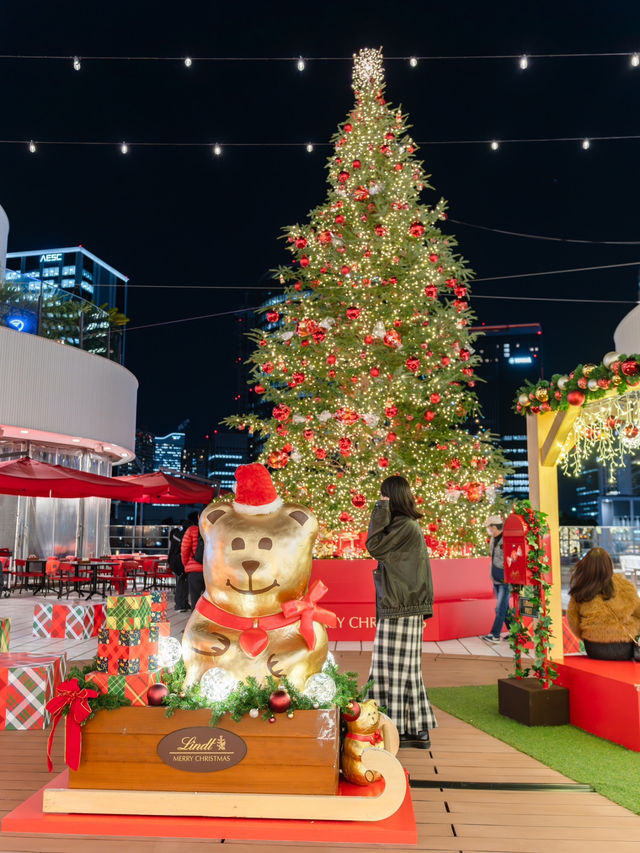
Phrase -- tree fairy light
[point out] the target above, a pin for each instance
(188, 61)
(309, 147)
(586, 144)
(77, 64)
(217, 150)
(124, 148)
(365, 366)
(524, 61)
(301, 64)
(32, 147)
(494, 145)
(413, 61)
(635, 60)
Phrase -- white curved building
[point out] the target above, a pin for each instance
(4, 235)
(62, 405)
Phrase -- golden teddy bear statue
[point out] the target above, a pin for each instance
(257, 616)
(366, 728)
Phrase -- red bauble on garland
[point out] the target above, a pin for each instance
(574, 398)
(351, 713)
(279, 701)
(156, 694)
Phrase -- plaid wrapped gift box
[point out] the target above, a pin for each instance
(5, 633)
(133, 687)
(158, 604)
(128, 612)
(70, 621)
(27, 683)
(122, 652)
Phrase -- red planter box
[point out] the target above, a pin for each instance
(464, 605)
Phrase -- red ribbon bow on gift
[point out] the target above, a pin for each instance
(70, 696)
(308, 612)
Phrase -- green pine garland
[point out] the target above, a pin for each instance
(519, 634)
(250, 694)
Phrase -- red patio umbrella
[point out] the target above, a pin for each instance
(161, 488)
(30, 477)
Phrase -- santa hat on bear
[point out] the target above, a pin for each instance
(255, 492)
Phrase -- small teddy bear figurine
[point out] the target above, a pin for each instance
(363, 731)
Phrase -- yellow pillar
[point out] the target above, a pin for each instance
(545, 435)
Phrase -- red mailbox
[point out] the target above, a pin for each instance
(516, 549)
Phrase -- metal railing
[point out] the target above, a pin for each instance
(133, 538)
(28, 304)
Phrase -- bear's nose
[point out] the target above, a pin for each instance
(250, 566)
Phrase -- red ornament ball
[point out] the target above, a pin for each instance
(353, 312)
(343, 177)
(273, 316)
(279, 701)
(304, 261)
(416, 229)
(629, 367)
(412, 363)
(383, 462)
(156, 694)
(351, 712)
(431, 291)
(345, 517)
(375, 371)
(301, 242)
(574, 398)
(356, 164)
(358, 501)
(331, 488)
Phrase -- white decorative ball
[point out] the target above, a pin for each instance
(254, 712)
(610, 357)
(330, 661)
(320, 688)
(169, 651)
(217, 684)
(562, 382)
(523, 399)
(592, 384)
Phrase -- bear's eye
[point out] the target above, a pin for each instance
(237, 544)
(265, 543)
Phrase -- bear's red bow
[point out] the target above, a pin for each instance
(308, 612)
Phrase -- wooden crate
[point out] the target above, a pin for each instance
(293, 755)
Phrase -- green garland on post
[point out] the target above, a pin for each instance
(538, 566)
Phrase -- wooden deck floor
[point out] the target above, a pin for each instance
(449, 819)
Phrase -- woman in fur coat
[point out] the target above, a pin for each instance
(604, 610)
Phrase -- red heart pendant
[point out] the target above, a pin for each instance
(253, 641)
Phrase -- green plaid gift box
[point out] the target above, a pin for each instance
(128, 612)
(5, 633)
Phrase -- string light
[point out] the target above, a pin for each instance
(309, 147)
(217, 150)
(413, 61)
(187, 61)
(301, 64)
(77, 65)
(495, 145)
(586, 144)
(124, 148)
(635, 60)
(524, 61)
(33, 147)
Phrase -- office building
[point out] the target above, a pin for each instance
(168, 452)
(227, 451)
(195, 461)
(75, 270)
(510, 355)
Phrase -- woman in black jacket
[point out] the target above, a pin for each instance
(404, 598)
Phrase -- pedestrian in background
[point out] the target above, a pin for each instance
(404, 598)
(175, 564)
(191, 552)
(495, 525)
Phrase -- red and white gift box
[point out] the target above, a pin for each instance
(68, 620)
(27, 683)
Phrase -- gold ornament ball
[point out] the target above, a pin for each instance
(542, 395)
(616, 380)
(587, 369)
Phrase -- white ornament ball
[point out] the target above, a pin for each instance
(592, 385)
(254, 712)
(320, 688)
(217, 684)
(523, 399)
(562, 382)
(330, 661)
(610, 357)
(169, 651)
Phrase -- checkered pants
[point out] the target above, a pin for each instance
(396, 669)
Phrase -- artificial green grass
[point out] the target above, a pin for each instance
(610, 769)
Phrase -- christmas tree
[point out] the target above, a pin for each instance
(367, 364)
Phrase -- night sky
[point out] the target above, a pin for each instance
(181, 216)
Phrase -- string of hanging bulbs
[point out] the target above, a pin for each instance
(523, 60)
(217, 148)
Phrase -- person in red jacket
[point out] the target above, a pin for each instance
(192, 567)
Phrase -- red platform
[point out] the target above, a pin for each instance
(604, 697)
(464, 605)
(399, 829)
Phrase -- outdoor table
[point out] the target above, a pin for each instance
(39, 564)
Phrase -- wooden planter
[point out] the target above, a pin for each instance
(298, 755)
(525, 700)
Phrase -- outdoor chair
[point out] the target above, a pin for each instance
(164, 576)
(5, 568)
(25, 578)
